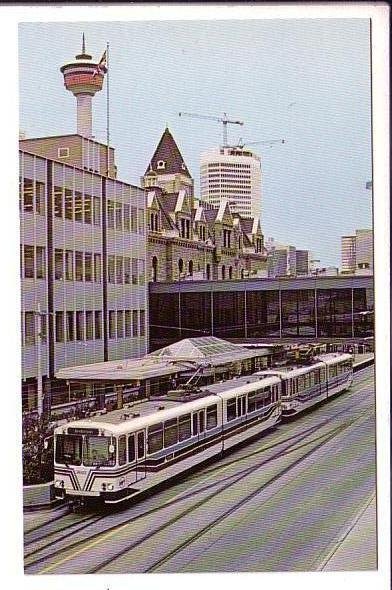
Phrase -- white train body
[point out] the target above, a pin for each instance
(303, 387)
(123, 453)
(126, 452)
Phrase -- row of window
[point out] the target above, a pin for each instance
(83, 208)
(169, 433)
(126, 270)
(83, 325)
(256, 400)
(82, 266)
(124, 217)
(76, 206)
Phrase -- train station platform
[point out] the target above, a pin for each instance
(356, 549)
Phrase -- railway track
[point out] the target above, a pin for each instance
(284, 447)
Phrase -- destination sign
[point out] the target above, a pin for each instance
(92, 431)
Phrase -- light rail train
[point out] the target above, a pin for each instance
(120, 454)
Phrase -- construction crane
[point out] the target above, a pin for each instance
(224, 120)
(241, 143)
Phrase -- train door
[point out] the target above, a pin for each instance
(241, 406)
(198, 424)
(136, 453)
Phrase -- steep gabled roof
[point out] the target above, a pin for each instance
(167, 151)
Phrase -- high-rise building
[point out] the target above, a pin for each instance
(233, 174)
(357, 252)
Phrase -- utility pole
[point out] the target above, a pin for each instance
(39, 372)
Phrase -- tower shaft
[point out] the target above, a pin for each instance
(84, 115)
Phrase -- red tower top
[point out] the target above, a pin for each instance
(84, 78)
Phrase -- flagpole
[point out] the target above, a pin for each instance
(107, 109)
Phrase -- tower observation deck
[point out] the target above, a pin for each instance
(84, 77)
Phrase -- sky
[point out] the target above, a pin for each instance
(304, 80)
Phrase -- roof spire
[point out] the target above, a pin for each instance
(83, 55)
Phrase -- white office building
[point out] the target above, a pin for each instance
(233, 174)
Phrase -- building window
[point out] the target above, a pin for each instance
(79, 266)
(89, 325)
(142, 322)
(110, 214)
(134, 271)
(161, 165)
(119, 216)
(208, 272)
(133, 219)
(68, 204)
(155, 269)
(97, 268)
(127, 270)
(79, 325)
(63, 152)
(40, 262)
(180, 266)
(127, 221)
(28, 262)
(28, 196)
(87, 205)
(111, 269)
(96, 211)
(134, 322)
(128, 323)
(120, 324)
(78, 206)
(69, 270)
(58, 201)
(223, 272)
(230, 272)
(58, 265)
(98, 325)
(29, 327)
(141, 273)
(119, 270)
(88, 267)
(70, 326)
(112, 324)
(141, 221)
(190, 267)
(59, 326)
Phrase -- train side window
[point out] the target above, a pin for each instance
(201, 421)
(131, 448)
(252, 401)
(140, 445)
(122, 450)
(195, 429)
(170, 436)
(184, 427)
(212, 417)
(231, 408)
(155, 438)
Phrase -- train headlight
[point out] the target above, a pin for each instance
(110, 487)
(59, 483)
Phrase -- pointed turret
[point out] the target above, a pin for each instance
(167, 167)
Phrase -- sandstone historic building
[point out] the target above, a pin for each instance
(189, 239)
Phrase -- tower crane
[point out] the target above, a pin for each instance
(241, 143)
(224, 120)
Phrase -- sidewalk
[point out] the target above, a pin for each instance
(357, 550)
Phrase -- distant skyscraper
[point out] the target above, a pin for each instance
(357, 252)
(233, 174)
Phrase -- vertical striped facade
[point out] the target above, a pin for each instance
(83, 263)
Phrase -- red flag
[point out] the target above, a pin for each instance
(102, 66)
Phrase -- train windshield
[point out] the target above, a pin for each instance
(69, 449)
(99, 450)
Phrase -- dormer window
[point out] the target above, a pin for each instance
(161, 164)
